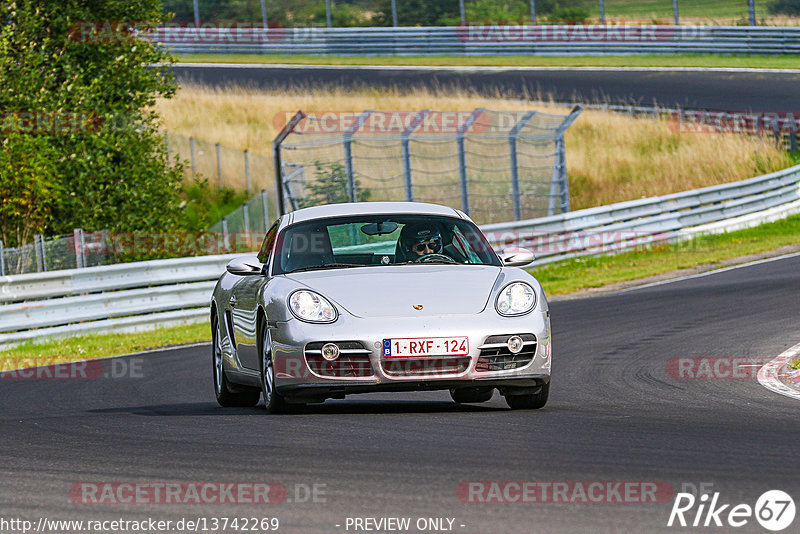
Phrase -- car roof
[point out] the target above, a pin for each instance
(371, 208)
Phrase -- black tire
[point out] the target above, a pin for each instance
(273, 401)
(470, 395)
(243, 396)
(532, 401)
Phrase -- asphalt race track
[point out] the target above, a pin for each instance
(722, 90)
(614, 415)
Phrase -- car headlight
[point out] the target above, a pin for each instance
(311, 307)
(516, 298)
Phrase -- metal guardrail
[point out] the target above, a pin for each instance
(124, 297)
(162, 292)
(471, 40)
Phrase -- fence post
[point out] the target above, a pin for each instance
(264, 13)
(2, 260)
(462, 12)
(560, 166)
(246, 217)
(516, 195)
(196, 14)
(247, 170)
(675, 12)
(348, 153)
(462, 158)
(602, 12)
(76, 239)
(225, 234)
(264, 206)
(191, 156)
(793, 141)
(166, 144)
(533, 12)
(328, 12)
(38, 253)
(219, 166)
(407, 153)
(751, 8)
(277, 165)
(563, 184)
(394, 13)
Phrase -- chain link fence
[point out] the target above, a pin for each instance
(495, 166)
(81, 249)
(221, 165)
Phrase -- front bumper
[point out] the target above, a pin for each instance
(296, 379)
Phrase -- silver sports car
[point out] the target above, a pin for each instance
(379, 296)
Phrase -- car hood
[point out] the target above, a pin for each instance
(393, 291)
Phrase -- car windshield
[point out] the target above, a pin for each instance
(380, 240)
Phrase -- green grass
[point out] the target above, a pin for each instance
(775, 62)
(99, 346)
(597, 271)
(557, 279)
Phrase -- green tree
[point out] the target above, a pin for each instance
(111, 173)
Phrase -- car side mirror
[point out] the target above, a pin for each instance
(245, 266)
(517, 257)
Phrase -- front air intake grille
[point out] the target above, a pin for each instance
(404, 367)
(495, 355)
(353, 360)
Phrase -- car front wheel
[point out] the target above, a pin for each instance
(222, 388)
(273, 402)
(532, 401)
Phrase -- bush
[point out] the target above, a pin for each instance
(784, 7)
(110, 172)
(330, 187)
(569, 15)
(27, 188)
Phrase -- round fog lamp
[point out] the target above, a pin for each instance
(514, 344)
(330, 351)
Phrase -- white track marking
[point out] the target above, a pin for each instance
(768, 375)
(708, 273)
(458, 68)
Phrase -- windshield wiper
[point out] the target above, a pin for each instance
(323, 267)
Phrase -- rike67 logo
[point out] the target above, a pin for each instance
(774, 510)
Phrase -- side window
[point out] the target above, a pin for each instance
(268, 244)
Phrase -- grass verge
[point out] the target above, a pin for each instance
(557, 279)
(688, 60)
(577, 274)
(99, 346)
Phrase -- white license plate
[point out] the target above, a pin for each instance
(421, 347)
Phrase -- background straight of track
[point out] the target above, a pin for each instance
(614, 414)
(690, 89)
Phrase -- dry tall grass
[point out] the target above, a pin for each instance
(610, 157)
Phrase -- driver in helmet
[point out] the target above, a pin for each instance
(418, 240)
